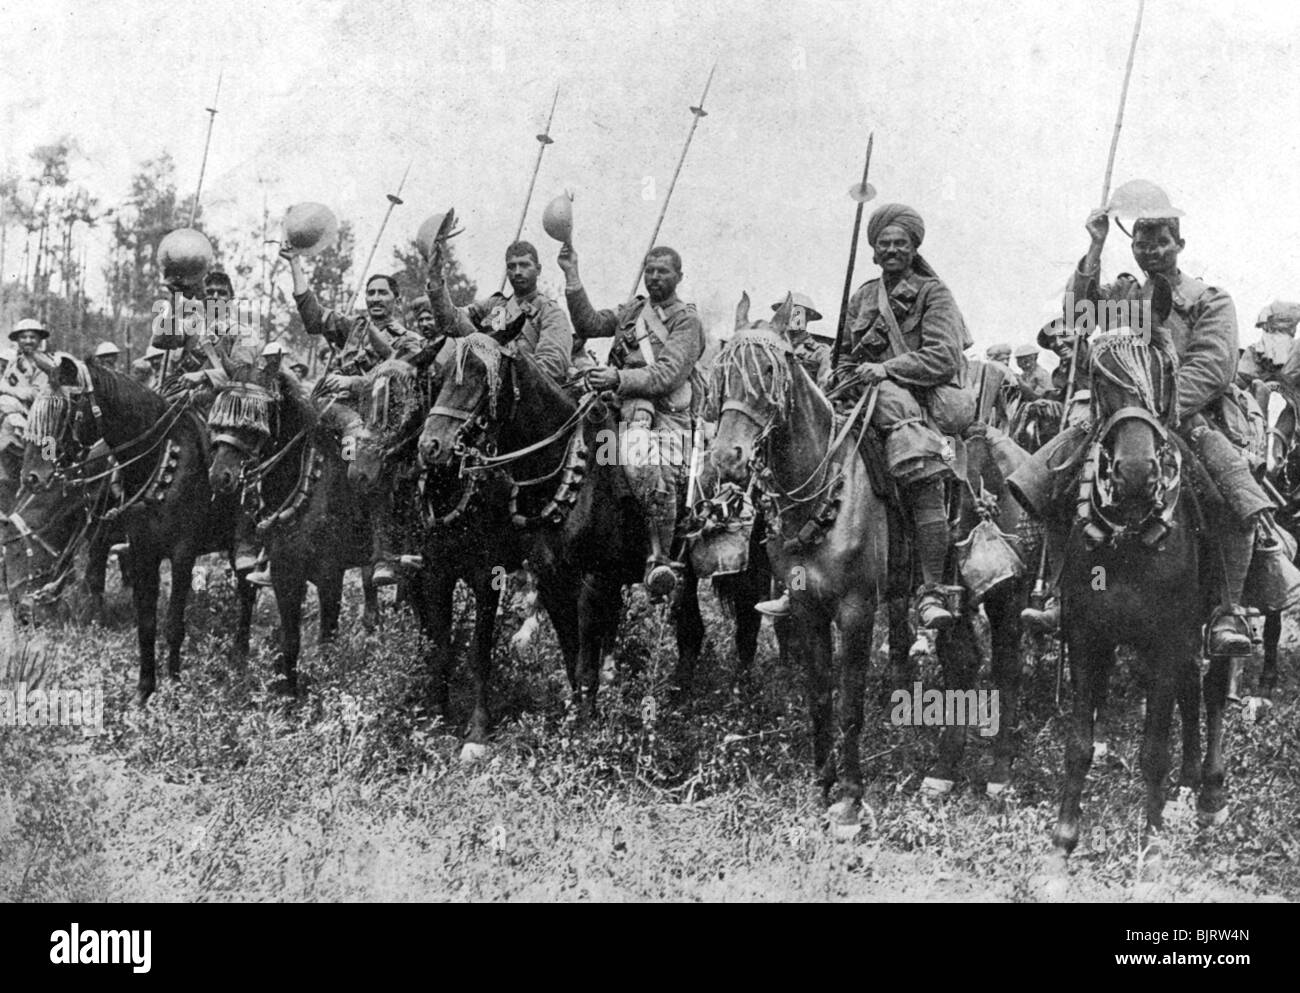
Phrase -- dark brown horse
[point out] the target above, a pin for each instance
(462, 523)
(1134, 576)
(586, 532)
(166, 504)
(831, 534)
(270, 446)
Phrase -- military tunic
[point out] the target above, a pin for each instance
(23, 380)
(813, 355)
(352, 339)
(1035, 384)
(536, 323)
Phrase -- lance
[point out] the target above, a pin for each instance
(699, 112)
(543, 140)
(861, 193)
(393, 200)
(1074, 358)
(212, 117)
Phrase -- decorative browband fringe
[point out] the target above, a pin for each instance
(47, 417)
(487, 351)
(739, 371)
(242, 406)
(392, 395)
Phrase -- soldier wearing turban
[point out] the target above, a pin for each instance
(906, 338)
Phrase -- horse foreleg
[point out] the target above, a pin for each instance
(561, 604)
(1166, 669)
(813, 631)
(1212, 803)
(486, 598)
(96, 573)
(857, 622)
(1003, 610)
(144, 597)
(329, 595)
(182, 576)
(1189, 710)
(960, 659)
(1272, 635)
(246, 593)
(1089, 665)
(290, 587)
(598, 611)
(370, 615)
(690, 635)
(439, 594)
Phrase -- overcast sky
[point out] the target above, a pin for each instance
(991, 117)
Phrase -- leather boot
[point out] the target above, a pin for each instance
(1229, 634)
(778, 606)
(661, 572)
(932, 538)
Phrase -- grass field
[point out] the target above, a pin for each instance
(218, 791)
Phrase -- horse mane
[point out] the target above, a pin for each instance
(119, 390)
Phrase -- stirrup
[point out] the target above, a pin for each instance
(261, 576)
(776, 607)
(1228, 634)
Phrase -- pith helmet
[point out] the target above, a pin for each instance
(1140, 199)
(184, 254)
(804, 301)
(311, 228)
(105, 349)
(28, 324)
(273, 348)
(557, 218)
(1027, 352)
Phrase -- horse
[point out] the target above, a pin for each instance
(586, 532)
(269, 443)
(463, 523)
(831, 531)
(166, 504)
(1137, 530)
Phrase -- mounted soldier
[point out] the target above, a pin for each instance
(23, 378)
(531, 319)
(106, 355)
(359, 344)
(1033, 381)
(1201, 330)
(907, 338)
(813, 350)
(1272, 364)
(652, 371)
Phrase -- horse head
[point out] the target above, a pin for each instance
(63, 422)
(750, 389)
(241, 422)
(467, 402)
(392, 411)
(1134, 389)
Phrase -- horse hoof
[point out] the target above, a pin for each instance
(473, 754)
(1178, 810)
(1212, 819)
(996, 790)
(844, 822)
(932, 787)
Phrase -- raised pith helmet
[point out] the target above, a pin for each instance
(184, 254)
(311, 228)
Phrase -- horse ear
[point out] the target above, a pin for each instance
(781, 323)
(67, 367)
(742, 312)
